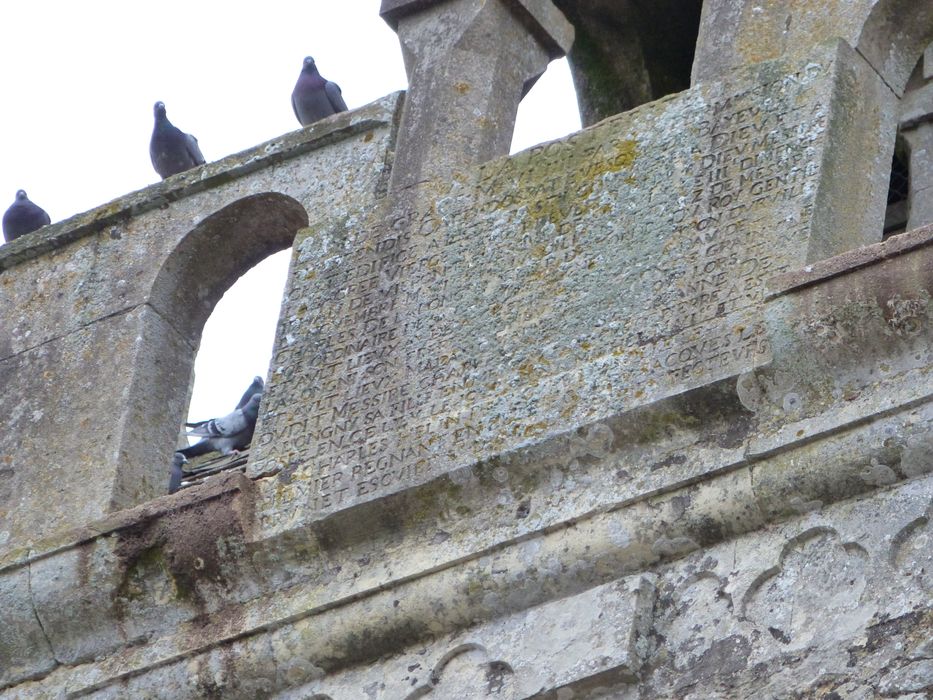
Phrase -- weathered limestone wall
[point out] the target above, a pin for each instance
(596, 562)
(891, 34)
(645, 412)
(652, 237)
(102, 314)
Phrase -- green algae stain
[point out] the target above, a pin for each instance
(581, 165)
(625, 156)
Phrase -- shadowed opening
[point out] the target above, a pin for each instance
(910, 204)
(630, 52)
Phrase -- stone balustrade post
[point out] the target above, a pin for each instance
(469, 64)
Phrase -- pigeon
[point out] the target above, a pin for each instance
(174, 480)
(171, 149)
(314, 97)
(228, 434)
(23, 217)
(255, 388)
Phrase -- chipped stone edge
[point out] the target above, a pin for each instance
(211, 490)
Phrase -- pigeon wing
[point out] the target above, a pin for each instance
(332, 90)
(191, 143)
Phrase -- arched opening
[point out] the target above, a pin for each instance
(894, 36)
(236, 346)
(896, 40)
(629, 52)
(552, 94)
(193, 278)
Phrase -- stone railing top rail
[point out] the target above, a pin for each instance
(281, 148)
(849, 261)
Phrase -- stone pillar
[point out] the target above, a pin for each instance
(469, 64)
(737, 33)
(916, 127)
(920, 139)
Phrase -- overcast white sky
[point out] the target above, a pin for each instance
(77, 85)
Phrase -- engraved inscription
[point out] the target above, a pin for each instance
(583, 277)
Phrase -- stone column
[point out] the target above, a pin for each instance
(920, 139)
(469, 64)
(916, 126)
(736, 33)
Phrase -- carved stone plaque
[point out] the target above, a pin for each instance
(573, 281)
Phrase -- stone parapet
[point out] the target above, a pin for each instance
(548, 290)
(642, 412)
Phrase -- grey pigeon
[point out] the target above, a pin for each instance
(23, 217)
(171, 149)
(174, 480)
(255, 388)
(228, 434)
(314, 97)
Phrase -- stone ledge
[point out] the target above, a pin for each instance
(222, 485)
(850, 261)
(713, 612)
(590, 552)
(471, 562)
(296, 143)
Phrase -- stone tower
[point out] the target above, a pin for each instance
(642, 412)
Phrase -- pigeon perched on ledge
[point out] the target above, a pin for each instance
(227, 435)
(23, 217)
(315, 98)
(172, 150)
